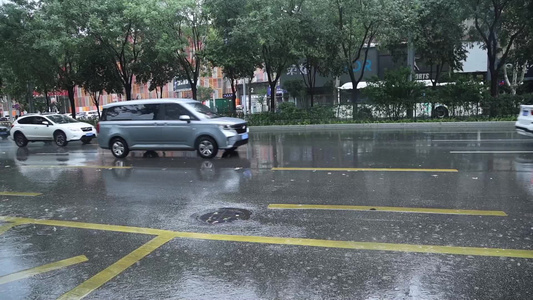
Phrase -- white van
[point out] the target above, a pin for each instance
(524, 124)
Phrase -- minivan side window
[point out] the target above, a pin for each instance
(132, 112)
(173, 111)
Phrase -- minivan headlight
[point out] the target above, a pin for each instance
(225, 127)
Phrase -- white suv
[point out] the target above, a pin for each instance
(58, 128)
(524, 125)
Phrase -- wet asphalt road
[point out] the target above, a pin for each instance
(276, 253)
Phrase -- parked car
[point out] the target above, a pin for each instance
(4, 132)
(524, 124)
(168, 124)
(55, 127)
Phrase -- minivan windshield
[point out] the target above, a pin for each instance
(61, 119)
(204, 110)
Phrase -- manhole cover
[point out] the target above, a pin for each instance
(224, 215)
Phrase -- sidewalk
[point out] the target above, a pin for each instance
(504, 125)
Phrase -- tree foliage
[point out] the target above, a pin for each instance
(438, 35)
(498, 24)
(395, 94)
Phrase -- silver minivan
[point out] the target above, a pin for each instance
(168, 124)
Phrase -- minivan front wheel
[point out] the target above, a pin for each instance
(119, 148)
(206, 147)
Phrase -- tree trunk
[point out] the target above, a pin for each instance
(273, 96)
(194, 90)
(70, 92)
(354, 96)
(234, 94)
(494, 87)
(127, 90)
(96, 101)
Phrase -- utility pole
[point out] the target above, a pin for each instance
(410, 65)
(244, 104)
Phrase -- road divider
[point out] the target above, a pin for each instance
(368, 170)
(392, 209)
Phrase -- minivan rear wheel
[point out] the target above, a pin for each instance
(119, 148)
(206, 147)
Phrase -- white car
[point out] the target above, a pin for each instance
(524, 125)
(58, 128)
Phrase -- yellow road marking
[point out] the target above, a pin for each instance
(91, 226)
(110, 272)
(77, 166)
(21, 194)
(392, 209)
(43, 269)
(475, 251)
(367, 170)
(287, 241)
(6, 227)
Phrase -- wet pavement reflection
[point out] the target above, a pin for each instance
(493, 170)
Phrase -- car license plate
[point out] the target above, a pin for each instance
(90, 134)
(525, 112)
(244, 136)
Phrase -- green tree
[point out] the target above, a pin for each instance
(295, 88)
(498, 24)
(158, 69)
(183, 27)
(316, 44)
(395, 94)
(227, 48)
(358, 24)
(274, 26)
(97, 73)
(438, 35)
(59, 32)
(204, 93)
(17, 23)
(120, 27)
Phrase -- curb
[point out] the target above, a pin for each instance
(433, 125)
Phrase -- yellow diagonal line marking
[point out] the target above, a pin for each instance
(392, 209)
(6, 227)
(288, 241)
(110, 272)
(43, 269)
(21, 194)
(92, 226)
(367, 170)
(76, 166)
